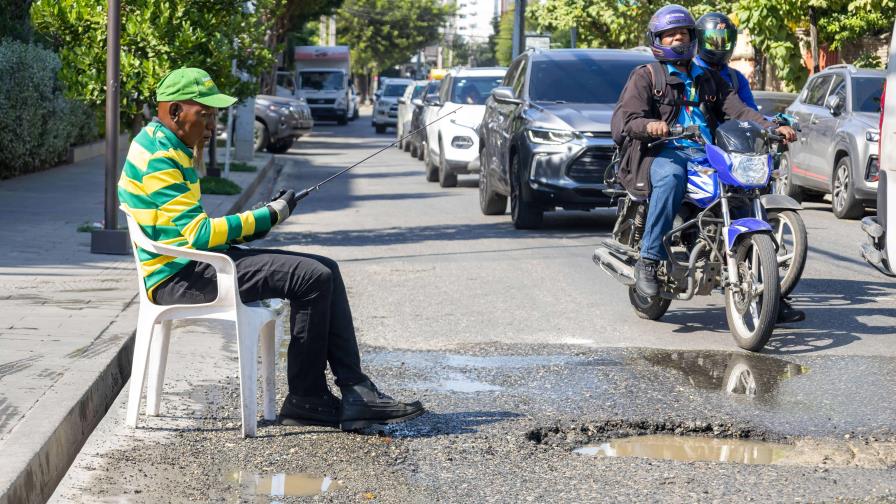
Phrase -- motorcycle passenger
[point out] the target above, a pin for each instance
(656, 96)
(716, 39)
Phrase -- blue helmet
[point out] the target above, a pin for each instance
(667, 18)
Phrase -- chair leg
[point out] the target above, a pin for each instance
(158, 358)
(138, 368)
(247, 342)
(268, 363)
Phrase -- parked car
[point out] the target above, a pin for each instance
(878, 251)
(430, 93)
(354, 103)
(546, 136)
(771, 102)
(839, 111)
(385, 110)
(405, 110)
(430, 110)
(453, 144)
(279, 122)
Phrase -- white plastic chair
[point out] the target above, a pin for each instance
(262, 319)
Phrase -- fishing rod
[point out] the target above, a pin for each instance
(305, 192)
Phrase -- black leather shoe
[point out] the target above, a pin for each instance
(310, 410)
(788, 314)
(645, 278)
(363, 405)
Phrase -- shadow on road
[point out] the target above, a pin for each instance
(448, 424)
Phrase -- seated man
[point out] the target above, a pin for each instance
(161, 189)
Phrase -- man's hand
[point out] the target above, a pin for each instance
(282, 205)
(658, 129)
(786, 132)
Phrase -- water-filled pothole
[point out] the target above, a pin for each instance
(283, 485)
(690, 449)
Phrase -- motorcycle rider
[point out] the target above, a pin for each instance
(690, 95)
(716, 39)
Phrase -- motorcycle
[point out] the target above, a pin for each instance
(720, 237)
(783, 214)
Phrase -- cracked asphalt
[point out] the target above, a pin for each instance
(522, 350)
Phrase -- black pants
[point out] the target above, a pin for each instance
(320, 317)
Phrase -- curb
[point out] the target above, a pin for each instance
(53, 445)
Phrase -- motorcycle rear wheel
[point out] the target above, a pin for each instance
(648, 308)
(752, 310)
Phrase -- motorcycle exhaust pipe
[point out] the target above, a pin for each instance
(622, 272)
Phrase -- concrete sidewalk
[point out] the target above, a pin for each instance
(67, 318)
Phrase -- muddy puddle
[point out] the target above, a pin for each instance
(804, 452)
(283, 484)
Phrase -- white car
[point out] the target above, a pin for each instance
(453, 144)
(879, 251)
(406, 109)
(385, 110)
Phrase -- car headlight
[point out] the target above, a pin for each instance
(872, 135)
(283, 109)
(461, 142)
(550, 136)
(750, 170)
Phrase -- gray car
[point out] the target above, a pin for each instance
(839, 111)
(279, 121)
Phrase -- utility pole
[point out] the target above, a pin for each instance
(322, 32)
(110, 239)
(813, 39)
(519, 28)
(573, 36)
(332, 39)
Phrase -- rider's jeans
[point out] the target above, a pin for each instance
(668, 178)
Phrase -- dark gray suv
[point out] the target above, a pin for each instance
(836, 154)
(545, 138)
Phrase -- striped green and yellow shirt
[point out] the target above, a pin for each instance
(160, 188)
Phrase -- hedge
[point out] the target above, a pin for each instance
(37, 122)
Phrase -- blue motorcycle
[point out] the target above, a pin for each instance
(720, 239)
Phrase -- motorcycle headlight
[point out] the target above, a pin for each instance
(549, 136)
(750, 170)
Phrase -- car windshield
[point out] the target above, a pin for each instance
(418, 91)
(582, 79)
(771, 106)
(394, 89)
(866, 93)
(473, 90)
(321, 81)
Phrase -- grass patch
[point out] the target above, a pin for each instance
(216, 185)
(240, 167)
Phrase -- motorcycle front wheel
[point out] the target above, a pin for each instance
(650, 308)
(752, 306)
(793, 245)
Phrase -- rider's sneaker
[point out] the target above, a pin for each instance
(645, 277)
(788, 314)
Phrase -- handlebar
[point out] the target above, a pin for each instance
(678, 132)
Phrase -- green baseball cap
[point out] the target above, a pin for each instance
(192, 84)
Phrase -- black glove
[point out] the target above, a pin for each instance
(282, 205)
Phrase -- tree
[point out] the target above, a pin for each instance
(156, 36)
(385, 33)
(504, 39)
(14, 20)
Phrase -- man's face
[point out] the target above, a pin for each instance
(675, 36)
(196, 122)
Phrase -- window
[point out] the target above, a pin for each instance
(394, 89)
(838, 88)
(511, 73)
(473, 90)
(520, 78)
(817, 90)
(597, 80)
(866, 93)
(322, 81)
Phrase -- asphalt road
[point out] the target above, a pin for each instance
(523, 351)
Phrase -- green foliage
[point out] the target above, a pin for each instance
(869, 60)
(156, 36)
(504, 42)
(37, 123)
(242, 167)
(216, 185)
(385, 33)
(771, 27)
(14, 20)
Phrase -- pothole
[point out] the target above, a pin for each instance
(283, 484)
(691, 449)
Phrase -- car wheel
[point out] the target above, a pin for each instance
(447, 178)
(356, 114)
(380, 129)
(260, 135)
(843, 196)
(784, 182)
(413, 148)
(490, 202)
(524, 214)
(407, 146)
(421, 150)
(281, 146)
(432, 171)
